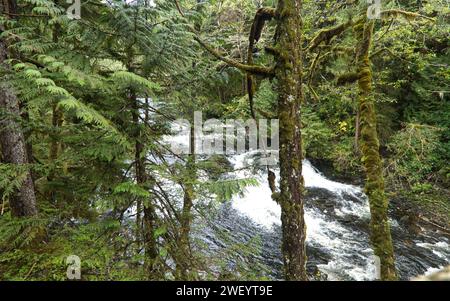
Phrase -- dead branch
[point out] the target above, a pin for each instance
(180, 10)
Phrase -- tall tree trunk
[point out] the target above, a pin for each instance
(357, 130)
(54, 149)
(369, 144)
(288, 72)
(149, 217)
(56, 123)
(288, 75)
(56, 112)
(186, 216)
(14, 149)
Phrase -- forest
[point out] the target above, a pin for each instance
(263, 140)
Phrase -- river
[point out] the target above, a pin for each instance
(337, 218)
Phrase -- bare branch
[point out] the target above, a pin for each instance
(180, 10)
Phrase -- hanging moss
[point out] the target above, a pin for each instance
(262, 15)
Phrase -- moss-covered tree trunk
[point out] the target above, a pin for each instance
(288, 74)
(12, 139)
(369, 145)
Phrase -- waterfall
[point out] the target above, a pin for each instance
(337, 219)
(338, 229)
(322, 232)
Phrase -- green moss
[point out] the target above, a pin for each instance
(369, 145)
(288, 73)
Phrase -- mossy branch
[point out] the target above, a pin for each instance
(410, 16)
(262, 15)
(312, 69)
(271, 50)
(347, 78)
(265, 114)
(325, 35)
(252, 69)
(313, 93)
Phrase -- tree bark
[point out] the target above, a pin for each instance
(149, 217)
(357, 130)
(288, 75)
(288, 72)
(14, 149)
(183, 264)
(369, 144)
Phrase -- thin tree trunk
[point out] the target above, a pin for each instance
(288, 72)
(56, 123)
(149, 217)
(27, 134)
(12, 140)
(189, 195)
(56, 112)
(54, 149)
(369, 144)
(357, 129)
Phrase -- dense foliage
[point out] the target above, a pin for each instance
(97, 96)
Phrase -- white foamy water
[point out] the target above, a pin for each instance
(322, 232)
(351, 256)
(257, 202)
(441, 249)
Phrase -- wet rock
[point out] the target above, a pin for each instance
(317, 275)
(327, 169)
(410, 220)
(349, 219)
